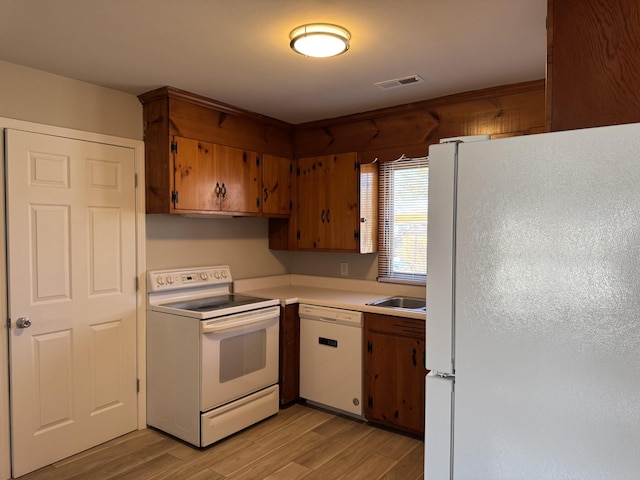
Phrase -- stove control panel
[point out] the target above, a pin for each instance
(180, 278)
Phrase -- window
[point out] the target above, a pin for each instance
(404, 186)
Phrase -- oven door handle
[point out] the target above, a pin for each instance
(241, 320)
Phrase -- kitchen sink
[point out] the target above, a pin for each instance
(403, 303)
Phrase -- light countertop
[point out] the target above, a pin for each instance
(330, 292)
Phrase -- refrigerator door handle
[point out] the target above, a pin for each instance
(446, 376)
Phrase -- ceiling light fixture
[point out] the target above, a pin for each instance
(319, 40)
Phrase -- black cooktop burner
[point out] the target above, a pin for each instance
(216, 302)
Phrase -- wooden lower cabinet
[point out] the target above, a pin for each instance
(394, 355)
(289, 354)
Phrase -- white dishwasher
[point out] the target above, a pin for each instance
(331, 358)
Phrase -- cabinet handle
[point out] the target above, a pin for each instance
(217, 190)
(328, 217)
(322, 216)
(266, 194)
(224, 191)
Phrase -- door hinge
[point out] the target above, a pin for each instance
(291, 168)
(369, 347)
(9, 323)
(257, 161)
(135, 180)
(138, 385)
(174, 197)
(137, 283)
(174, 147)
(298, 235)
(258, 202)
(370, 401)
(291, 205)
(356, 166)
(356, 235)
(298, 171)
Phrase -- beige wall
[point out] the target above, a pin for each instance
(40, 97)
(241, 243)
(361, 267)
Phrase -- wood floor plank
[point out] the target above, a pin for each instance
(335, 425)
(334, 446)
(273, 441)
(203, 475)
(398, 446)
(149, 469)
(203, 458)
(291, 471)
(410, 467)
(278, 458)
(373, 468)
(348, 459)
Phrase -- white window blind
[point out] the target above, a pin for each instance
(404, 186)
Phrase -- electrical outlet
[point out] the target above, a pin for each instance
(344, 269)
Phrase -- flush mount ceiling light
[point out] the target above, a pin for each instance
(319, 40)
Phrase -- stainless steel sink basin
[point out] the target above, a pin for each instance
(404, 303)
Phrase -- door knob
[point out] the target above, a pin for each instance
(23, 322)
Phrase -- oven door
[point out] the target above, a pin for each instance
(239, 355)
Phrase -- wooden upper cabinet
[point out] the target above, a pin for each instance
(593, 64)
(277, 179)
(205, 157)
(329, 200)
(212, 178)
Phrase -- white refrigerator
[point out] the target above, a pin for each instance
(533, 307)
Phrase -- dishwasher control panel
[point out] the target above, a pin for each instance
(328, 314)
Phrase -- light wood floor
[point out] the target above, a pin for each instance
(300, 442)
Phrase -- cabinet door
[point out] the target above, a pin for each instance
(194, 174)
(328, 203)
(312, 197)
(277, 173)
(394, 372)
(342, 226)
(592, 64)
(289, 354)
(239, 179)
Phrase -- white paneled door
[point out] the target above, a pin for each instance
(72, 296)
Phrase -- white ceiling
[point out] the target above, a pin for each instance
(237, 51)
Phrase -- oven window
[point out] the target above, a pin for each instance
(242, 354)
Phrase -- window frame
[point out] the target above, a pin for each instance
(387, 246)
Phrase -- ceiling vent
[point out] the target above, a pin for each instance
(399, 82)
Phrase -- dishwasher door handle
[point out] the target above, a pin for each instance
(328, 342)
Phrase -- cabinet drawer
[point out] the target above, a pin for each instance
(409, 327)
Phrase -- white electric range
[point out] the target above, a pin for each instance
(212, 355)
